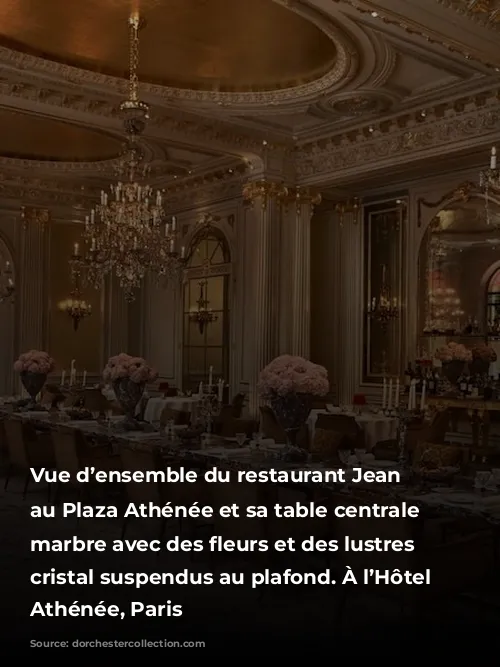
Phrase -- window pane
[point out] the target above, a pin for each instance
(215, 330)
(196, 363)
(217, 255)
(214, 358)
(215, 292)
(192, 335)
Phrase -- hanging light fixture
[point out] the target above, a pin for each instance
(202, 315)
(382, 308)
(126, 234)
(7, 285)
(75, 306)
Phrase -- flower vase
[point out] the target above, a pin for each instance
(452, 370)
(479, 366)
(33, 383)
(291, 412)
(128, 394)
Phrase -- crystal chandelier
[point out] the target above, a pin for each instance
(126, 234)
(202, 316)
(7, 286)
(383, 309)
(75, 306)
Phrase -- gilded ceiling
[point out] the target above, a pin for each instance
(32, 137)
(224, 45)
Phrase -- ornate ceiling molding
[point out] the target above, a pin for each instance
(220, 135)
(404, 138)
(373, 10)
(342, 72)
(484, 12)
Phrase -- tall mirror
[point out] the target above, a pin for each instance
(459, 277)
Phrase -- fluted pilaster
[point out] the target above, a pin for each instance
(32, 294)
(266, 199)
(298, 261)
(351, 300)
(116, 322)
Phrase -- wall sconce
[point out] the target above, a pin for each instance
(75, 306)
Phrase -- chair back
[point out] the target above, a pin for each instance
(16, 433)
(66, 452)
(94, 400)
(142, 460)
(177, 416)
(238, 403)
(269, 425)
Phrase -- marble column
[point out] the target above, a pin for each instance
(32, 294)
(296, 286)
(350, 294)
(116, 336)
(266, 199)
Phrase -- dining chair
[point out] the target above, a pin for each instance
(27, 449)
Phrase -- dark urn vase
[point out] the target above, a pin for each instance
(33, 383)
(479, 366)
(291, 412)
(452, 370)
(128, 394)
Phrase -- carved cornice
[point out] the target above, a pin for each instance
(404, 136)
(24, 86)
(484, 12)
(411, 27)
(462, 193)
(34, 216)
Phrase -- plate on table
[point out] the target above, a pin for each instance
(380, 464)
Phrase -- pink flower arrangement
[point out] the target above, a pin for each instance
(133, 368)
(453, 352)
(484, 352)
(292, 375)
(34, 361)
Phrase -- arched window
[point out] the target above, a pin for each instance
(206, 309)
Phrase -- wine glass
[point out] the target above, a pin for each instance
(241, 438)
(344, 456)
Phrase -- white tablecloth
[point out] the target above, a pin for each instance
(155, 406)
(376, 427)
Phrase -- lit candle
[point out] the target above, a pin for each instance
(76, 249)
(383, 275)
(422, 397)
(384, 395)
(63, 378)
(183, 252)
(84, 380)
(200, 389)
(396, 395)
(92, 216)
(167, 229)
(174, 223)
(7, 266)
(493, 159)
(389, 402)
(172, 246)
(92, 247)
(210, 372)
(135, 242)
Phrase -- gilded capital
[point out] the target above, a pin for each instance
(304, 196)
(349, 206)
(264, 191)
(34, 216)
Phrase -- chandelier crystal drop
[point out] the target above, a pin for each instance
(125, 234)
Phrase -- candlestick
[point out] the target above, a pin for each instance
(63, 378)
(210, 372)
(384, 395)
(493, 159)
(84, 380)
(396, 395)
(422, 397)
(389, 402)
(76, 249)
(200, 389)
